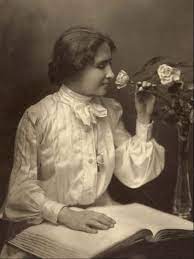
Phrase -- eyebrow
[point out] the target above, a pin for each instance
(103, 61)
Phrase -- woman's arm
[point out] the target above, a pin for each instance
(26, 200)
(139, 159)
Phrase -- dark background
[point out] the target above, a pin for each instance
(141, 29)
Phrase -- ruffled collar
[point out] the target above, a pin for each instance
(75, 96)
(86, 109)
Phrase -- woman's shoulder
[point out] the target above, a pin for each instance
(43, 109)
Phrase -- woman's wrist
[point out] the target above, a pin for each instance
(144, 130)
(143, 118)
(64, 212)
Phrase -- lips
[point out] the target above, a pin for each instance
(106, 84)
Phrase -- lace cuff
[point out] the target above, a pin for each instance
(51, 210)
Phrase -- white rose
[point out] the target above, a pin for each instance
(122, 79)
(168, 74)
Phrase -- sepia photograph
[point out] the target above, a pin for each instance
(96, 129)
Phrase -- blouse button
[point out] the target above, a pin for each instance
(90, 161)
(87, 129)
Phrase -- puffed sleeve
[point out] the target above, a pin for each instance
(139, 158)
(26, 200)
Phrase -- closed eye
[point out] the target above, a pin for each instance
(103, 64)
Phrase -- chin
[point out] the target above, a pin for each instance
(102, 91)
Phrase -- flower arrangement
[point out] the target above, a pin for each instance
(172, 83)
(172, 87)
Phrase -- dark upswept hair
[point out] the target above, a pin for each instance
(73, 51)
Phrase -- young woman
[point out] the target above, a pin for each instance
(70, 143)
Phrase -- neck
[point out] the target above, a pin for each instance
(76, 94)
(76, 87)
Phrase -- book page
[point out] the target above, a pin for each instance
(60, 240)
(156, 220)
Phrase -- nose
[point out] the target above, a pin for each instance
(109, 72)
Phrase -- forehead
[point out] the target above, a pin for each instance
(103, 53)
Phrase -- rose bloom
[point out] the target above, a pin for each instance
(168, 74)
(122, 79)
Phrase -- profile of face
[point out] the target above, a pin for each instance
(95, 79)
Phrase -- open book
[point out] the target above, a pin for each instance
(134, 223)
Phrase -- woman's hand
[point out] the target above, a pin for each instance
(144, 104)
(85, 220)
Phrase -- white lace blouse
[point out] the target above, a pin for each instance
(67, 148)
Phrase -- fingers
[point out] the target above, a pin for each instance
(146, 84)
(144, 99)
(141, 98)
(104, 219)
(82, 226)
(87, 221)
(88, 229)
(144, 89)
(153, 99)
(98, 225)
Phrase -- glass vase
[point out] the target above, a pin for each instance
(182, 203)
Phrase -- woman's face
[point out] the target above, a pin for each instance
(95, 79)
